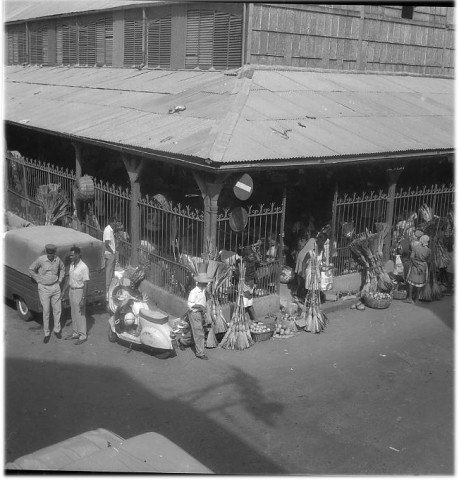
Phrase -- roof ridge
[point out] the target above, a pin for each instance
(221, 132)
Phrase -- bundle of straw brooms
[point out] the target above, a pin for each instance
(367, 249)
(219, 272)
(238, 335)
(312, 318)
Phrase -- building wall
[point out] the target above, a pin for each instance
(350, 37)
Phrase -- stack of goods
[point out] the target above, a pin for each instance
(238, 335)
(286, 327)
(260, 331)
(314, 319)
(367, 249)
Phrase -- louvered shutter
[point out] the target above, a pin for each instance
(39, 46)
(159, 42)
(133, 42)
(87, 44)
(104, 41)
(214, 39)
(17, 53)
(66, 48)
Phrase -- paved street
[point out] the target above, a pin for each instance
(371, 395)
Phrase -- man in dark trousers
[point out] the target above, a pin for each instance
(48, 271)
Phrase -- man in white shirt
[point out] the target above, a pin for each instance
(197, 308)
(110, 249)
(78, 284)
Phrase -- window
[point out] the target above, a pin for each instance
(213, 39)
(66, 49)
(159, 42)
(133, 42)
(95, 43)
(39, 46)
(407, 12)
(17, 52)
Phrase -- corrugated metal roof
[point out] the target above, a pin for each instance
(17, 10)
(276, 115)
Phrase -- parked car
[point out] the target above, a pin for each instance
(103, 451)
(24, 245)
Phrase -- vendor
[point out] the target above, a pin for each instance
(251, 264)
(418, 271)
(197, 301)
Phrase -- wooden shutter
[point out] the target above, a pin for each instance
(87, 44)
(39, 46)
(133, 42)
(159, 42)
(66, 44)
(17, 52)
(213, 39)
(104, 41)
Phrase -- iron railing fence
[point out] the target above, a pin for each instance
(355, 213)
(167, 231)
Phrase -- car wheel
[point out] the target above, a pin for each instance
(111, 335)
(23, 309)
(162, 355)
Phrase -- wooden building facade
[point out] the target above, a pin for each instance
(223, 36)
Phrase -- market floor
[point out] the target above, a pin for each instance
(373, 394)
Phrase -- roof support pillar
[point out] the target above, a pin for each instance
(134, 166)
(393, 174)
(210, 191)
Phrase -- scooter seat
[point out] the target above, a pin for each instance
(153, 316)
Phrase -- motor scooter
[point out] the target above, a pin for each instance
(136, 324)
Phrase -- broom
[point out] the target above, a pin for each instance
(211, 341)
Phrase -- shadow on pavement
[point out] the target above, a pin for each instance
(58, 401)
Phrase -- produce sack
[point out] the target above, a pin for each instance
(286, 275)
(398, 266)
(326, 280)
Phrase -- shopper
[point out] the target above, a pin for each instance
(110, 251)
(251, 263)
(78, 285)
(48, 271)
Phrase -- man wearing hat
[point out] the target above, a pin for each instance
(48, 271)
(197, 308)
(78, 284)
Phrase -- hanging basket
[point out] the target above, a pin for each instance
(85, 190)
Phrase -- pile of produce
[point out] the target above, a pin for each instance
(259, 327)
(367, 249)
(238, 336)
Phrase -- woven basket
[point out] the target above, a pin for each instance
(261, 337)
(85, 188)
(379, 303)
(399, 294)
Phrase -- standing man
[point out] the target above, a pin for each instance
(197, 308)
(48, 271)
(110, 249)
(78, 284)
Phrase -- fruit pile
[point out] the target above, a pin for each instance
(259, 327)
(282, 331)
(379, 295)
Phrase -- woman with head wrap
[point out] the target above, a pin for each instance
(418, 270)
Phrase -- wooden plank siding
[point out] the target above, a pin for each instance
(333, 36)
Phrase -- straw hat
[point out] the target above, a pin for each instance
(202, 278)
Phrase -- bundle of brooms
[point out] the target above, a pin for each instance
(367, 249)
(315, 320)
(238, 335)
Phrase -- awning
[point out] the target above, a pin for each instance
(227, 119)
